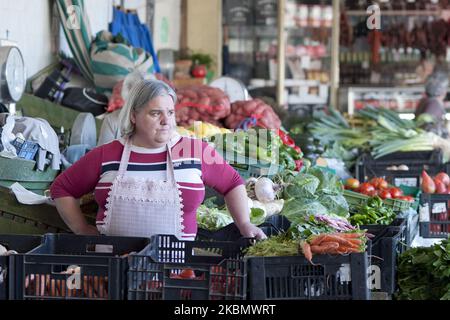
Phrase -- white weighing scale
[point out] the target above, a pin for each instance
(12, 76)
(234, 88)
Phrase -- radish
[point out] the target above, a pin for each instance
(442, 176)
(265, 190)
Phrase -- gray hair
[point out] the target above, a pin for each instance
(142, 92)
(436, 84)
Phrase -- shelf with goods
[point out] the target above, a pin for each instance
(249, 37)
(412, 40)
(308, 45)
(401, 99)
(299, 32)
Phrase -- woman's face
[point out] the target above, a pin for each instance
(155, 123)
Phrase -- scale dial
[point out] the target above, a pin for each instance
(234, 88)
(12, 76)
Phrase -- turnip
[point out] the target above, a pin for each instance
(274, 207)
(265, 190)
(250, 203)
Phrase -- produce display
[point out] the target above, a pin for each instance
(381, 132)
(211, 217)
(333, 243)
(315, 191)
(424, 273)
(201, 103)
(201, 130)
(258, 145)
(311, 147)
(374, 212)
(377, 187)
(440, 184)
(48, 286)
(242, 110)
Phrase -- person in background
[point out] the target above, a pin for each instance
(433, 103)
(151, 180)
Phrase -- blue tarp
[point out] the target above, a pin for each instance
(137, 34)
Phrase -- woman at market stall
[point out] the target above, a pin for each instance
(433, 103)
(151, 180)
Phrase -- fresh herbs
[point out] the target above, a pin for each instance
(424, 273)
(276, 246)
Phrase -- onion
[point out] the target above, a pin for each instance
(264, 190)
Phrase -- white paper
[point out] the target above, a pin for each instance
(25, 196)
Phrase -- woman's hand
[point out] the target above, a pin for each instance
(237, 204)
(249, 230)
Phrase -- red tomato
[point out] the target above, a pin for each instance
(406, 198)
(199, 71)
(187, 274)
(366, 188)
(396, 192)
(379, 183)
(385, 194)
(383, 184)
(352, 183)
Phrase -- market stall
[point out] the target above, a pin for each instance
(354, 204)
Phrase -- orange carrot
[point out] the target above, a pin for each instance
(335, 238)
(351, 235)
(306, 249)
(325, 248)
(347, 250)
(316, 240)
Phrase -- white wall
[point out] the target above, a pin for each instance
(100, 14)
(28, 23)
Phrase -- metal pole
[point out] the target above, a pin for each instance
(334, 85)
(281, 54)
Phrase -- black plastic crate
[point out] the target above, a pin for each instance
(434, 215)
(171, 269)
(417, 161)
(386, 247)
(71, 267)
(332, 277)
(412, 224)
(20, 244)
(280, 222)
(273, 225)
(232, 233)
(378, 230)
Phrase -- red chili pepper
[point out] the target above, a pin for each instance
(286, 139)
